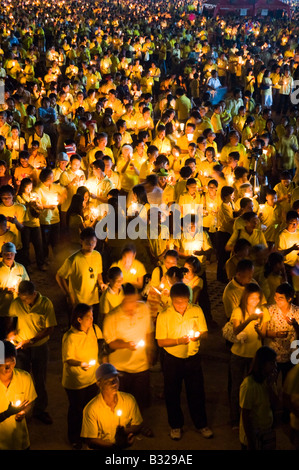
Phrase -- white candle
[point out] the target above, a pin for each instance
(119, 413)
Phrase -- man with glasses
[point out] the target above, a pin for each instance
(80, 276)
(17, 396)
(112, 418)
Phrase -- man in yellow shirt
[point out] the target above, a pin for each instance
(111, 419)
(36, 322)
(128, 330)
(179, 330)
(288, 243)
(80, 276)
(17, 396)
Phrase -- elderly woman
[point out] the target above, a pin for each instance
(250, 319)
(80, 357)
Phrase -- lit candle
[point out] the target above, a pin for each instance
(230, 179)
(17, 403)
(190, 137)
(119, 413)
(53, 200)
(94, 212)
(258, 311)
(133, 271)
(262, 207)
(141, 343)
(92, 362)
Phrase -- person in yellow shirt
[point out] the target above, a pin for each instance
(258, 398)
(112, 418)
(128, 331)
(35, 325)
(179, 331)
(284, 191)
(226, 216)
(14, 383)
(239, 120)
(271, 216)
(287, 243)
(287, 148)
(190, 199)
(217, 125)
(133, 270)
(81, 275)
(234, 145)
(249, 321)
(80, 358)
(250, 232)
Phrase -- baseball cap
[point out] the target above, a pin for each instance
(8, 248)
(106, 371)
(62, 157)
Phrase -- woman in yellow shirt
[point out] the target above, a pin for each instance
(249, 321)
(80, 358)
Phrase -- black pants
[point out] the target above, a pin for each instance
(138, 385)
(32, 235)
(175, 372)
(50, 237)
(284, 101)
(222, 255)
(35, 360)
(78, 399)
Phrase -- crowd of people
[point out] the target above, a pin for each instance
(193, 122)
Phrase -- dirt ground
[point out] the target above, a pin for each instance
(215, 368)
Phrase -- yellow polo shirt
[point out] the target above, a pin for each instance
(83, 283)
(173, 325)
(110, 300)
(15, 210)
(136, 271)
(82, 347)
(33, 319)
(253, 342)
(287, 239)
(46, 196)
(136, 327)
(10, 277)
(99, 421)
(14, 434)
